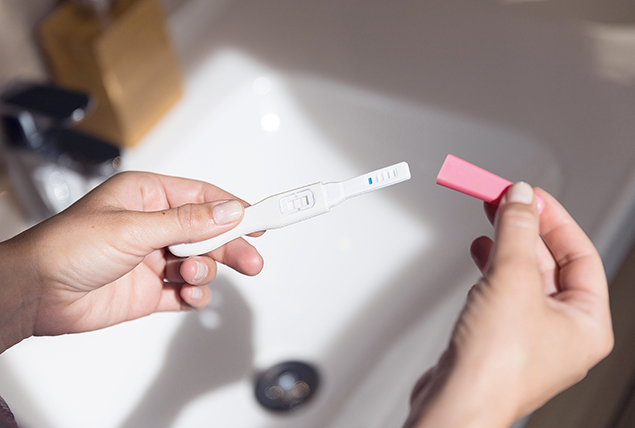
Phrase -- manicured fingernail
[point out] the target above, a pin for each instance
(226, 212)
(521, 193)
(201, 271)
(197, 293)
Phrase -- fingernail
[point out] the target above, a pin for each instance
(521, 193)
(226, 212)
(197, 293)
(201, 271)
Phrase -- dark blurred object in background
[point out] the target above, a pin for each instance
(50, 165)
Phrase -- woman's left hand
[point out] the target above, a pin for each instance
(104, 260)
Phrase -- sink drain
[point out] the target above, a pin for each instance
(287, 386)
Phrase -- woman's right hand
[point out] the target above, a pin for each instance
(534, 324)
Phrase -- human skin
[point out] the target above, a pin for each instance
(104, 260)
(533, 325)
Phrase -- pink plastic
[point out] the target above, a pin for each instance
(464, 177)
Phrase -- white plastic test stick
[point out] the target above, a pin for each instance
(286, 208)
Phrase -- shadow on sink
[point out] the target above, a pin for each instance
(212, 348)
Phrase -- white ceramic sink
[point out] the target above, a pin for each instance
(279, 95)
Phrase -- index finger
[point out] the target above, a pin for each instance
(153, 192)
(181, 191)
(579, 262)
(237, 254)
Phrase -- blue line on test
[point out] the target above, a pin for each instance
(370, 180)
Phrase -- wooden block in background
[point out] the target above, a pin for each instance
(128, 65)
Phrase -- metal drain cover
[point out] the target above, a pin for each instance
(286, 386)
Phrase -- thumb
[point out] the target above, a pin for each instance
(516, 230)
(190, 223)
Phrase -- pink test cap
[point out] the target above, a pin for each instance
(464, 177)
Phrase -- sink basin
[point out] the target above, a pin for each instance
(281, 95)
(337, 290)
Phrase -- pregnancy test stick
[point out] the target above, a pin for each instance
(464, 177)
(286, 208)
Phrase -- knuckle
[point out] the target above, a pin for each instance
(605, 346)
(602, 343)
(126, 176)
(517, 217)
(192, 218)
(513, 263)
(578, 375)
